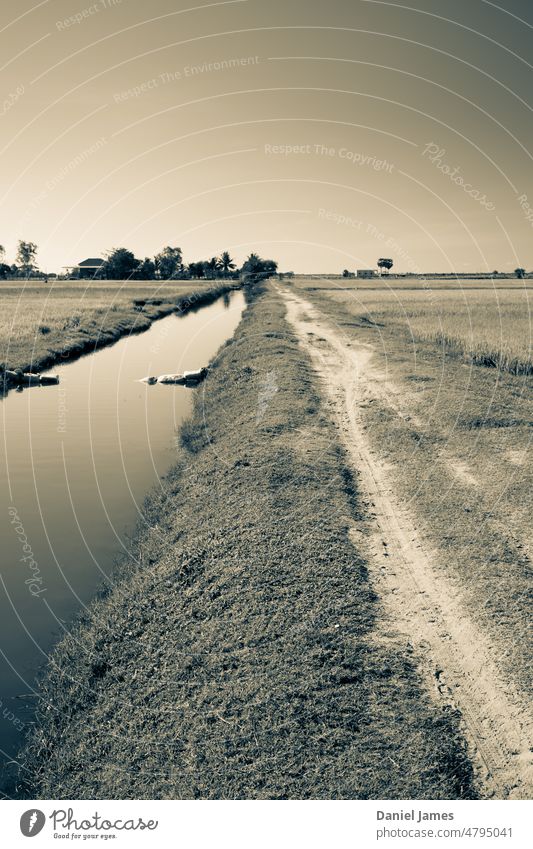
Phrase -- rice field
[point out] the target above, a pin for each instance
(37, 321)
(490, 326)
(497, 335)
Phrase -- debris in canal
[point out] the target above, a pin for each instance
(188, 378)
(22, 379)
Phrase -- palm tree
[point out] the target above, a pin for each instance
(253, 265)
(213, 265)
(226, 264)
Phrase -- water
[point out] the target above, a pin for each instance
(76, 462)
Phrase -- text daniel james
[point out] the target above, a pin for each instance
(410, 815)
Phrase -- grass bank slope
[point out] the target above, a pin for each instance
(238, 655)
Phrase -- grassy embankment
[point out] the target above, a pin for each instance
(43, 325)
(237, 655)
(457, 439)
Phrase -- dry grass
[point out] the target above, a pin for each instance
(40, 325)
(484, 324)
(484, 329)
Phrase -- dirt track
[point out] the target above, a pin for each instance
(419, 599)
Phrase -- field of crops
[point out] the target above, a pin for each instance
(485, 324)
(37, 321)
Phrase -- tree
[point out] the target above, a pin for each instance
(120, 264)
(384, 263)
(520, 273)
(5, 270)
(226, 264)
(169, 263)
(145, 270)
(26, 253)
(212, 267)
(196, 269)
(255, 268)
(252, 265)
(269, 267)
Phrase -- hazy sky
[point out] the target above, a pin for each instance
(323, 133)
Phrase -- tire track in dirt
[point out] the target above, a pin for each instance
(419, 600)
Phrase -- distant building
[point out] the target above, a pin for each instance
(366, 272)
(87, 269)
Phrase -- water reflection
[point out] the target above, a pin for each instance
(76, 462)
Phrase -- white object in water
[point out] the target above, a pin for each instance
(171, 378)
(179, 379)
(31, 378)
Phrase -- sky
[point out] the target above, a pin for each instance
(324, 134)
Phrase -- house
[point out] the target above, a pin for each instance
(366, 272)
(87, 269)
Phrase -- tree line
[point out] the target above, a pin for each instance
(122, 264)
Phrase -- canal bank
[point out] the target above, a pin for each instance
(237, 656)
(48, 347)
(77, 461)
